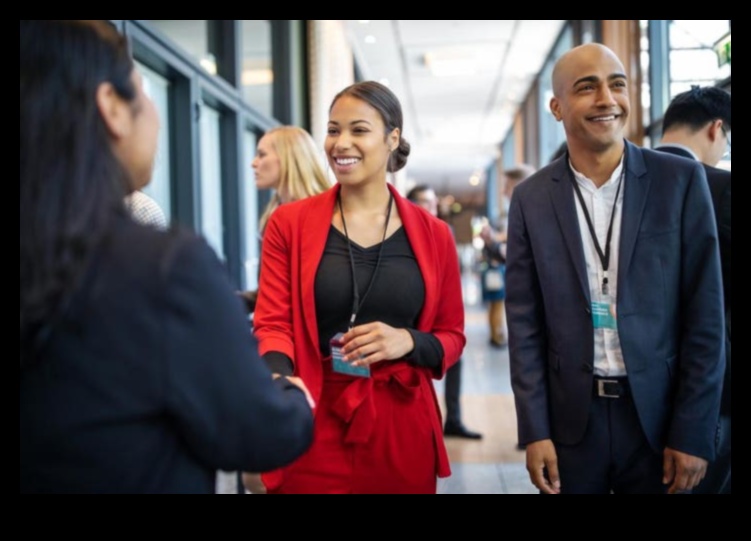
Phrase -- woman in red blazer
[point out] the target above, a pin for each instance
(362, 273)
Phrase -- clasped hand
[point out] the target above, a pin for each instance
(374, 342)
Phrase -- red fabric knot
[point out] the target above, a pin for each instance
(356, 406)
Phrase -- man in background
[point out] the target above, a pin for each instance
(696, 126)
(424, 196)
(494, 254)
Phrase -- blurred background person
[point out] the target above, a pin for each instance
(360, 280)
(138, 374)
(287, 162)
(145, 210)
(425, 197)
(494, 258)
(696, 126)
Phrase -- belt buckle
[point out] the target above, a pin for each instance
(601, 388)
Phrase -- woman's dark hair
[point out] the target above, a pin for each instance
(71, 182)
(387, 104)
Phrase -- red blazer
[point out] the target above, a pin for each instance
(285, 316)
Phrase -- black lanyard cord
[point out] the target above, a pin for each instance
(604, 257)
(356, 301)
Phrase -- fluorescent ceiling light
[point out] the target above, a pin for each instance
(456, 61)
(253, 77)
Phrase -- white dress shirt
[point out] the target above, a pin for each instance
(608, 357)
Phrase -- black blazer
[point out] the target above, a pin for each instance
(151, 383)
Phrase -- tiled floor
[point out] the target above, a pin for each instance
(492, 465)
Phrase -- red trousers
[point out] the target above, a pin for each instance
(371, 435)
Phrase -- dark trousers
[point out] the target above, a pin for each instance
(452, 390)
(614, 455)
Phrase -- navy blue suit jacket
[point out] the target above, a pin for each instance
(719, 186)
(669, 304)
(151, 382)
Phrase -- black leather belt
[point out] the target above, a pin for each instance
(611, 387)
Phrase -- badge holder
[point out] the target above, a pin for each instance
(341, 366)
(603, 312)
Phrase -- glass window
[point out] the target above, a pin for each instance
(158, 88)
(211, 224)
(250, 208)
(692, 56)
(552, 134)
(192, 36)
(257, 75)
(646, 87)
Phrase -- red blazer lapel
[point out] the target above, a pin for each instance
(314, 230)
(423, 246)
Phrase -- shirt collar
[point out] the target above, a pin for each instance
(682, 147)
(611, 183)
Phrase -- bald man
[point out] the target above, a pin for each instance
(614, 301)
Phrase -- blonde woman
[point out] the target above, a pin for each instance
(287, 162)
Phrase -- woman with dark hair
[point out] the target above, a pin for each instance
(360, 296)
(137, 371)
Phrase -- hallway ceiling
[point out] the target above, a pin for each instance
(460, 84)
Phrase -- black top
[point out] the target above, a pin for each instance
(396, 297)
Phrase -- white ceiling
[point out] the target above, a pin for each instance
(454, 123)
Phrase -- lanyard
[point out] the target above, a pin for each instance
(356, 301)
(604, 257)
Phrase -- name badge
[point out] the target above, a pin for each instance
(603, 314)
(341, 366)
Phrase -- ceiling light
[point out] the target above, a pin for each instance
(384, 81)
(370, 38)
(253, 77)
(208, 62)
(450, 63)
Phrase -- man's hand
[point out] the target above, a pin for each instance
(682, 471)
(542, 465)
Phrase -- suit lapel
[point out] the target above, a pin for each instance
(635, 192)
(562, 196)
(313, 233)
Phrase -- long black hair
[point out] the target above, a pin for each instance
(71, 182)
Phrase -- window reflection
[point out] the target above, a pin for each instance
(192, 36)
(250, 213)
(257, 76)
(692, 56)
(157, 88)
(211, 225)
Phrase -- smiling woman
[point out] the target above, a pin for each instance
(381, 277)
